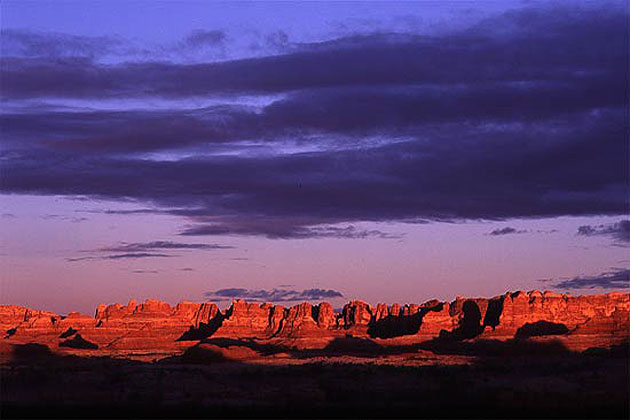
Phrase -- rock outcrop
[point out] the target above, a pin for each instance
(244, 319)
(154, 327)
(356, 316)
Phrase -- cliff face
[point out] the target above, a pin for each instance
(156, 327)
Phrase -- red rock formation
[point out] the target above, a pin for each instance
(457, 306)
(357, 315)
(325, 315)
(382, 312)
(76, 320)
(299, 322)
(152, 324)
(244, 319)
(197, 313)
(12, 315)
(278, 313)
(156, 327)
(436, 320)
(28, 324)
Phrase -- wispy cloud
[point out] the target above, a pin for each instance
(72, 219)
(55, 45)
(619, 231)
(130, 255)
(202, 38)
(282, 229)
(273, 295)
(506, 231)
(162, 245)
(615, 279)
(146, 250)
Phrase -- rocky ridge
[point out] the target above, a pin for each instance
(156, 328)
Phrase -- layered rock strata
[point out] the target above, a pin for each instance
(156, 327)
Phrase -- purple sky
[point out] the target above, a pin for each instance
(277, 151)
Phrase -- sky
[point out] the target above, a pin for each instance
(289, 151)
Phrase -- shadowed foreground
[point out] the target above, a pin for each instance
(349, 378)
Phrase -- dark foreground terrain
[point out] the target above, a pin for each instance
(477, 379)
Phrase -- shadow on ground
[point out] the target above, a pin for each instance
(520, 378)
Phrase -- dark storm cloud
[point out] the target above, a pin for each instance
(537, 173)
(506, 231)
(618, 279)
(579, 169)
(348, 112)
(619, 231)
(578, 46)
(274, 295)
(124, 131)
(352, 110)
(521, 116)
(162, 245)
